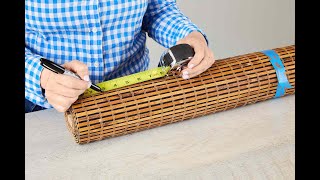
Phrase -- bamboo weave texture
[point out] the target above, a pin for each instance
(229, 83)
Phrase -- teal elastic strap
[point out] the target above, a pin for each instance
(276, 62)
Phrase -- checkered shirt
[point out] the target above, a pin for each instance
(109, 36)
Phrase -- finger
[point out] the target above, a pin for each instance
(203, 66)
(45, 77)
(59, 108)
(207, 63)
(64, 91)
(71, 82)
(78, 67)
(60, 103)
(199, 50)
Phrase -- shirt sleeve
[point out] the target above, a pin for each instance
(166, 24)
(33, 90)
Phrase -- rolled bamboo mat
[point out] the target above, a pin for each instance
(229, 83)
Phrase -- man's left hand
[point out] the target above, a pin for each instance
(203, 58)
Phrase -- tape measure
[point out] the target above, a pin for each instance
(173, 59)
(129, 80)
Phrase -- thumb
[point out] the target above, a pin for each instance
(79, 68)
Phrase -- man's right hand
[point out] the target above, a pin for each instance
(63, 90)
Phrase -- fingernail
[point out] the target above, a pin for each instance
(86, 78)
(89, 84)
(190, 66)
(185, 77)
(185, 72)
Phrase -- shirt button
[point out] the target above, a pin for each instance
(94, 30)
(96, 64)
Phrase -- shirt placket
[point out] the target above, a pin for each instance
(94, 41)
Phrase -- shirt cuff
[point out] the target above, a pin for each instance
(187, 29)
(33, 89)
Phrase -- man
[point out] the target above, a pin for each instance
(99, 40)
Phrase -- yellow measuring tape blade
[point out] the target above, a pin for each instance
(129, 80)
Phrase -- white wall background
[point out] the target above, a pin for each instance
(236, 27)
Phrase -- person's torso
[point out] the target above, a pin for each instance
(104, 34)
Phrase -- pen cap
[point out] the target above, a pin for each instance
(52, 66)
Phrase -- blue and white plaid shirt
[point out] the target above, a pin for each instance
(107, 35)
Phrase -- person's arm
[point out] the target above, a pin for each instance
(164, 23)
(60, 90)
(33, 69)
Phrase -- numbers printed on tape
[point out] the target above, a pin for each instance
(129, 80)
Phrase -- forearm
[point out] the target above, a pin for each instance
(166, 24)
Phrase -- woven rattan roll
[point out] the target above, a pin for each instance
(229, 83)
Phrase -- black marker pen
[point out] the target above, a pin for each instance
(56, 68)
